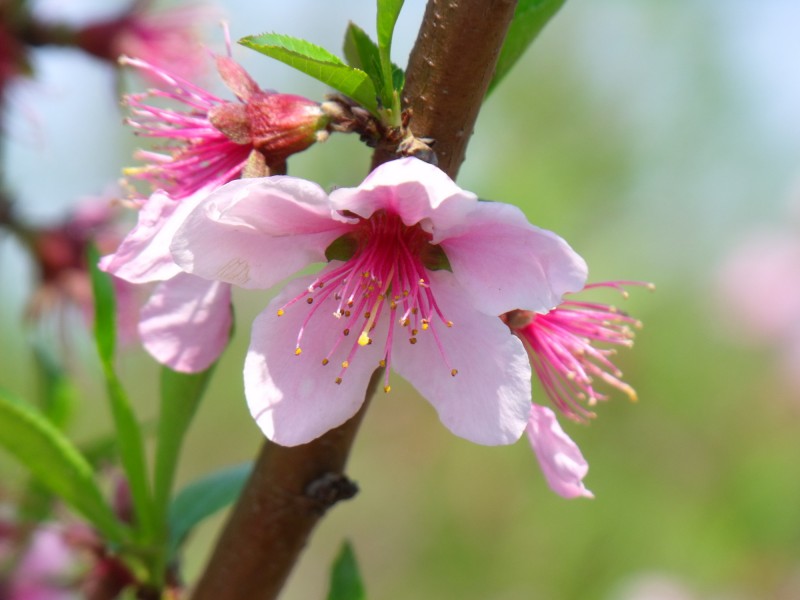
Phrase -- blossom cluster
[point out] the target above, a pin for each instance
(464, 299)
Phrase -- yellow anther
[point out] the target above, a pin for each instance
(347, 313)
(393, 305)
(382, 363)
(387, 388)
(346, 332)
(454, 372)
(345, 364)
(338, 380)
(298, 351)
(309, 301)
(325, 361)
(414, 331)
(281, 312)
(412, 340)
(367, 315)
(449, 323)
(425, 324)
(363, 339)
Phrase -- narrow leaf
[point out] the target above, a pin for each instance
(202, 499)
(362, 53)
(319, 64)
(180, 396)
(129, 434)
(58, 395)
(55, 462)
(388, 11)
(530, 17)
(346, 581)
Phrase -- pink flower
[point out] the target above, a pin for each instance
(48, 569)
(563, 348)
(212, 141)
(568, 348)
(186, 322)
(168, 38)
(417, 272)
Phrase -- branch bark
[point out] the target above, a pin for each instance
(291, 488)
(448, 73)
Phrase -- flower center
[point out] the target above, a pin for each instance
(386, 272)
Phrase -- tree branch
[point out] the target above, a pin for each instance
(291, 488)
(448, 73)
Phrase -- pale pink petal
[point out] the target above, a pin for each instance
(255, 232)
(294, 398)
(144, 256)
(559, 457)
(487, 401)
(410, 188)
(505, 263)
(186, 323)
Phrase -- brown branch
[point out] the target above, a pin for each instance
(291, 488)
(449, 72)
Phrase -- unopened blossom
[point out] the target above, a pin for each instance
(572, 347)
(416, 272)
(209, 141)
(185, 324)
(169, 38)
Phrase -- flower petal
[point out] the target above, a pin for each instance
(487, 401)
(255, 232)
(415, 190)
(559, 457)
(144, 256)
(294, 398)
(186, 323)
(505, 263)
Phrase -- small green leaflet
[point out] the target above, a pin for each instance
(202, 499)
(346, 581)
(362, 53)
(55, 462)
(530, 17)
(388, 11)
(319, 64)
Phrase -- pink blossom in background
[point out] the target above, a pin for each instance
(210, 141)
(758, 291)
(169, 38)
(60, 254)
(48, 569)
(417, 272)
(185, 324)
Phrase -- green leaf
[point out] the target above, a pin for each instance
(362, 53)
(58, 396)
(129, 434)
(346, 581)
(202, 499)
(388, 11)
(319, 64)
(180, 396)
(530, 17)
(55, 462)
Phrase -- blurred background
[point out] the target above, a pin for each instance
(659, 139)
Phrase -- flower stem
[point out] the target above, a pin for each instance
(291, 488)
